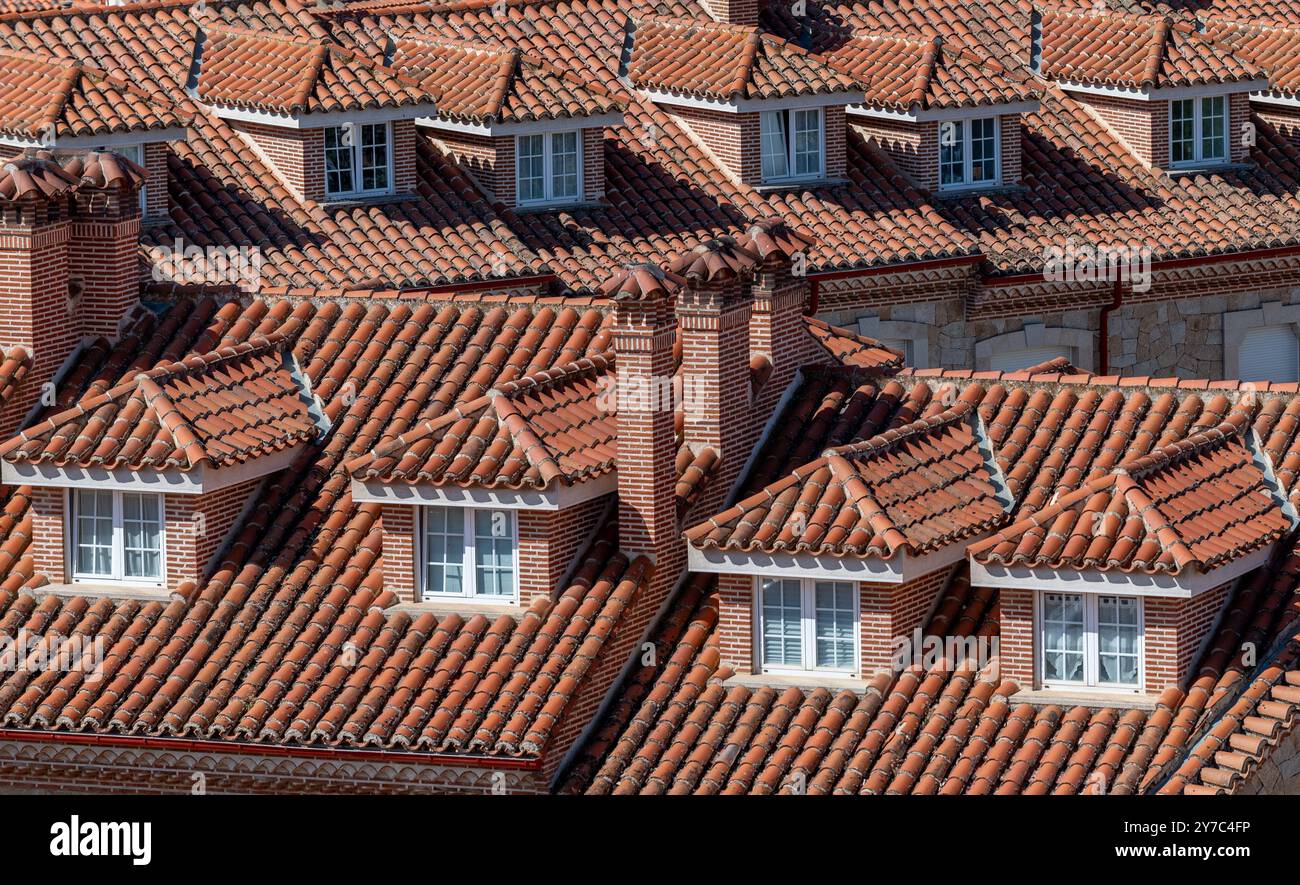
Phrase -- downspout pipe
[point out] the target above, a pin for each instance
(1103, 326)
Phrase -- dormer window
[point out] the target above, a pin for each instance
(968, 153)
(117, 536)
(792, 145)
(808, 625)
(468, 553)
(1091, 641)
(358, 161)
(549, 168)
(1198, 131)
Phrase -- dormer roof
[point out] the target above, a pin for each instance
(1272, 48)
(44, 98)
(905, 73)
(1200, 503)
(722, 62)
(232, 407)
(289, 76)
(482, 83)
(1114, 49)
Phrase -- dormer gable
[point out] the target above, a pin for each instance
(770, 112)
(950, 120)
(332, 124)
(1174, 98)
(531, 134)
(1272, 48)
(57, 104)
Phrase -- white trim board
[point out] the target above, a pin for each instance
(108, 140)
(748, 105)
(1146, 93)
(199, 481)
(558, 498)
(1186, 585)
(872, 569)
(920, 115)
(321, 120)
(529, 127)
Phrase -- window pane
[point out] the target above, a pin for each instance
(782, 624)
(983, 150)
(808, 142)
(952, 157)
(1213, 124)
(834, 615)
(1062, 637)
(142, 536)
(444, 550)
(374, 157)
(494, 552)
(338, 161)
(530, 163)
(564, 166)
(94, 515)
(1117, 640)
(1181, 131)
(774, 151)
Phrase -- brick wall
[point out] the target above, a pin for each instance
(593, 164)
(735, 12)
(398, 524)
(732, 138)
(890, 612)
(197, 528)
(49, 545)
(835, 126)
(914, 147)
(1174, 630)
(404, 176)
(1016, 636)
(1238, 117)
(1143, 126)
(777, 331)
(296, 156)
(104, 265)
(1012, 142)
(157, 205)
(1285, 120)
(735, 632)
(549, 543)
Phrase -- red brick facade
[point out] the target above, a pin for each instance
(1286, 120)
(1143, 126)
(491, 160)
(733, 12)
(914, 147)
(1173, 632)
(297, 156)
(734, 139)
(157, 205)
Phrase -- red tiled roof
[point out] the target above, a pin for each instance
(40, 96)
(901, 72)
(1133, 50)
(851, 349)
(480, 82)
(715, 60)
(292, 75)
(42, 174)
(915, 488)
(556, 426)
(222, 408)
(1269, 47)
(1200, 502)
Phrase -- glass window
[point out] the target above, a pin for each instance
(1090, 640)
(548, 168)
(467, 553)
(790, 144)
(117, 536)
(808, 625)
(357, 160)
(1198, 130)
(968, 152)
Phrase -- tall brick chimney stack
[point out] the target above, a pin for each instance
(643, 335)
(35, 226)
(713, 313)
(781, 292)
(104, 249)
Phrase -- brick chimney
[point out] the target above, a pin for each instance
(69, 238)
(733, 12)
(781, 294)
(644, 333)
(713, 313)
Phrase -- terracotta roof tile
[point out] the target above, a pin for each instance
(1270, 48)
(851, 349)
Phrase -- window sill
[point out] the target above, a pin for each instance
(542, 208)
(1088, 697)
(468, 605)
(1207, 169)
(806, 680)
(776, 187)
(330, 203)
(92, 590)
(961, 193)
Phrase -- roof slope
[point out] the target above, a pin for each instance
(554, 427)
(484, 82)
(1197, 503)
(851, 349)
(284, 74)
(691, 56)
(41, 97)
(1271, 48)
(222, 408)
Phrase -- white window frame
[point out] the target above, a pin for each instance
(967, 169)
(469, 572)
(356, 148)
(808, 637)
(1091, 653)
(791, 175)
(1198, 144)
(548, 170)
(118, 575)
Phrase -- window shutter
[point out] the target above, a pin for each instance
(1269, 353)
(1015, 360)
